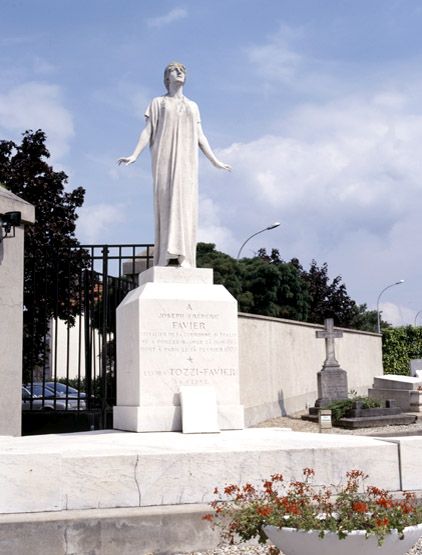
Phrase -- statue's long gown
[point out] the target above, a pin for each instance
(174, 153)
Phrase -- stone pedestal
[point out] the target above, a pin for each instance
(176, 329)
(332, 385)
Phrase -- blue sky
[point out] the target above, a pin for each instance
(316, 104)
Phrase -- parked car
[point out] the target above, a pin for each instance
(33, 401)
(57, 400)
(65, 390)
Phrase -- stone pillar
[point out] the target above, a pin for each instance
(176, 329)
(11, 312)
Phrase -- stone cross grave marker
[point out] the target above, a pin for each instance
(329, 334)
(332, 380)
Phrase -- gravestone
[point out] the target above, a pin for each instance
(332, 380)
(176, 329)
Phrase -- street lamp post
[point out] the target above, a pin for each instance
(416, 317)
(272, 226)
(378, 303)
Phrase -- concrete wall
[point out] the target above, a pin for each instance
(279, 360)
(11, 310)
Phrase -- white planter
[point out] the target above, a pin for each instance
(298, 542)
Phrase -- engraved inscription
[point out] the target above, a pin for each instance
(188, 347)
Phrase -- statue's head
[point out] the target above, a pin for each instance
(170, 67)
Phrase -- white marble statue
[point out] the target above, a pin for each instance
(173, 131)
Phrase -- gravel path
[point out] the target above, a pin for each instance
(298, 425)
(263, 550)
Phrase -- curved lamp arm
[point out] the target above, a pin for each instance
(378, 303)
(272, 226)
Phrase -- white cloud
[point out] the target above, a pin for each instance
(276, 60)
(97, 220)
(36, 105)
(397, 315)
(210, 229)
(170, 17)
(344, 177)
(350, 161)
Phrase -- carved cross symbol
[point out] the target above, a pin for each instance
(329, 335)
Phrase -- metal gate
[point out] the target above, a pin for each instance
(69, 357)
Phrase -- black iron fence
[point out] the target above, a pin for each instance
(70, 301)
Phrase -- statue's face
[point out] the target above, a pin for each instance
(176, 75)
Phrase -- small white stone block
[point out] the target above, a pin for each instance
(199, 409)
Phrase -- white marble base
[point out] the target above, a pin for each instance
(119, 469)
(177, 329)
(410, 449)
(169, 417)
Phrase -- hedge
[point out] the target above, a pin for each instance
(399, 345)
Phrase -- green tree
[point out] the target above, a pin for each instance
(262, 285)
(267, 285)
(329, 298)
(226, 269)
(53, 263)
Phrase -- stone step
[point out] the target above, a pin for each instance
(375, 421)
(109, 469)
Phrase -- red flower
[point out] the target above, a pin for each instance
(268, 486)
(382, 522)
(248, 488)
(229, 490)
(383, 502)
(264, 511)
(360, 507)
(208, 517)
(356, 474)
(308, 472)
(290, 506)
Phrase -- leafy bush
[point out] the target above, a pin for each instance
(399, 345)
(339, 408)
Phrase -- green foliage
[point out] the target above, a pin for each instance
(399, 345)
(262, 285)
(339, 409)
(226, 269)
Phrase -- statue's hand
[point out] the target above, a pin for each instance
(223, 166)
(126, 160)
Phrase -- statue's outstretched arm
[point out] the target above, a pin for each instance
(143, 141)
(207, 150)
